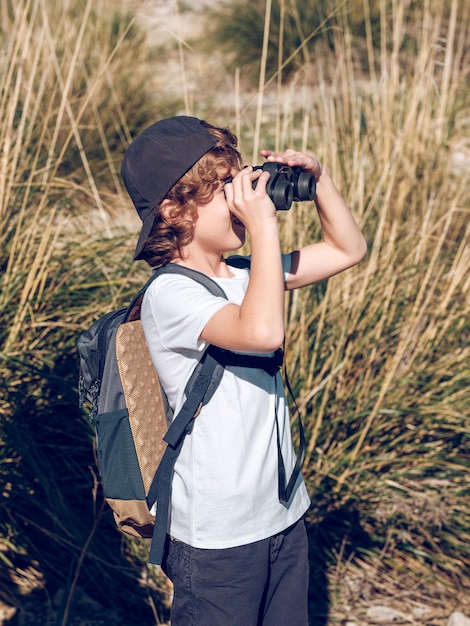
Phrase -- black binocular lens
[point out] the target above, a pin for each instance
(287, 184)
(304, 185)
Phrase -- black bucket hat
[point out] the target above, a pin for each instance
(157, 159)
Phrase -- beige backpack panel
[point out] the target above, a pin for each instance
(143, 398)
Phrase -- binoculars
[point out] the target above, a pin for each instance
(287, 184)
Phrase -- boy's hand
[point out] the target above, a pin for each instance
(295, 159)
(250, 206)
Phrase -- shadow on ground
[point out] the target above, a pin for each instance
(61, 552)
(60, 542)
(339, 531)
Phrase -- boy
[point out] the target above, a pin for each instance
(236, 554)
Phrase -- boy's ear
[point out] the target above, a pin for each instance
(166, 210)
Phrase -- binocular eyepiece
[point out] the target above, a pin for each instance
(287, 184)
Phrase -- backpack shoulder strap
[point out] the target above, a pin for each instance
(238, 260)
(173, 268)
(133, 310)
(160, 489)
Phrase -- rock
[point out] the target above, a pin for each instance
(458, 619)
(385, 615)
(419, 612)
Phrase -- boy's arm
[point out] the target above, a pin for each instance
(343, 243)
(257, 325)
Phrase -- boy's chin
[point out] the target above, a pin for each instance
(240, 233)
(236, 246)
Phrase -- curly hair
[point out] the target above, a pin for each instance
(195, 188)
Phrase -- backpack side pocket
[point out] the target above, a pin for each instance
(122, 480)
(117, 457)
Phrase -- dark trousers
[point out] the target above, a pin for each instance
(259, 584)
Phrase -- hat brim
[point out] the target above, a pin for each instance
(147, 224)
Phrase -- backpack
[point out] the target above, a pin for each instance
(138, 438)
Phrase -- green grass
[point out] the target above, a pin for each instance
(378, 356)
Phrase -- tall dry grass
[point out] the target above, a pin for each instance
(378, 356)
(70, 101)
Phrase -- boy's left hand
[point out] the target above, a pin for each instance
(293, 158)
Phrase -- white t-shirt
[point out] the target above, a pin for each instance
(225, 484)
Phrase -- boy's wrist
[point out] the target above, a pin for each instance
(264, 228)
(322, 175)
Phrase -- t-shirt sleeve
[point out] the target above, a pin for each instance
(180, 308)
(286, 264)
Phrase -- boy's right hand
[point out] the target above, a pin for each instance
(257, 324)
(253, 207)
